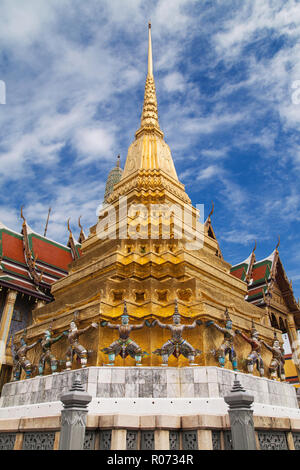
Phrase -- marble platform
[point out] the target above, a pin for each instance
(148, 389)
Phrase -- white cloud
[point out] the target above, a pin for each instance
(93, 143)
(172, 16)
(209, 172)
(215, 154)
(238, 236)
(252, 18)
(174, 82)
(209, 124)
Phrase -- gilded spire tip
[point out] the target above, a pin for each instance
(149, 118)
(150, 60)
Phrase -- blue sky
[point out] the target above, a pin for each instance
(224, 71)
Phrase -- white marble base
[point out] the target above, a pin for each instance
(148, 390)
(147, 406)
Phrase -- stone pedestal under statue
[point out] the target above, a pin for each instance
(148, 390)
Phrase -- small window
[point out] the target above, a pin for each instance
(162, 296)
(118, 296)
(140, 296)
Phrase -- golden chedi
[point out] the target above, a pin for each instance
(155, 252)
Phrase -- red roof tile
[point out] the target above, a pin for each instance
(239, 273)
(12, 247)
(50, 253)
(260, 272)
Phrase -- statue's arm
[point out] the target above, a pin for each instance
(238, 332)
(84, 330)
(212, 323)
(193, 325)
(219, 328)
(54, 340)
(267, 346)
(161, 325)
(33, 344)
(109, 325)
(138, 327)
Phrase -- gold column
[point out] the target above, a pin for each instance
(6, 321)
(294, 342)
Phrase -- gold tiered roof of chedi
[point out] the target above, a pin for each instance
(150, 272)
(149, 168)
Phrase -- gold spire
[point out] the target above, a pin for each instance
(149, 119)
(149, 152)
(150, 60)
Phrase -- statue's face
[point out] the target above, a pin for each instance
(73, 326)
(22, 342)
(229, 324)
(276, 344)
(255, 335)
(47, 334)
(125, 320)
(176, 319)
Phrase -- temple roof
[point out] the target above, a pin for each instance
(261, 276)
(31, 263)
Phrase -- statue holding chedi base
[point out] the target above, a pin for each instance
(20, 360)
(46, 342)
(227, 347)
(75, 347)
(124, 345)
(254, 357)
(276, 367)
(176, 345)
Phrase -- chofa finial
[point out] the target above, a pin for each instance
(212, 210)
(22, 216)
(68, 225)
